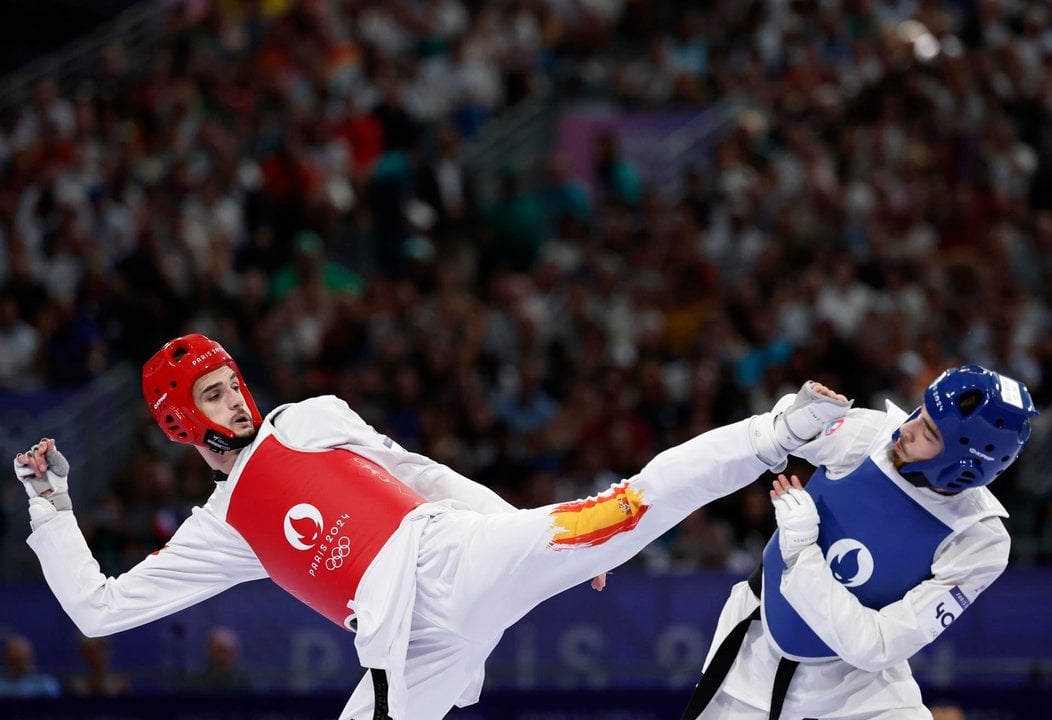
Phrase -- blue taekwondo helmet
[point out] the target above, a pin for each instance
(978, 445)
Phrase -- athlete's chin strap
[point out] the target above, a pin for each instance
(723, 659)
(222, 444)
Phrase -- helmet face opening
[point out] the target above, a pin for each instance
(984, 420)
(167, 384)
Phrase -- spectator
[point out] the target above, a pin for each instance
(98, 678)
(48, 110)
(310, 266)
(514, 225)
(444, 183)
(19, 346)
(20, 678)
(947, 711)
(618, 177)
(362, 133)
(563, 195)
(222, 671)
(390, 191)
(525, 408)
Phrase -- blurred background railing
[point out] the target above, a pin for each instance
(136, 30)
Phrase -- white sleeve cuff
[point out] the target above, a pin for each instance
(40, 511)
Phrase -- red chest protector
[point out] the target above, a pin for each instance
(317, 519)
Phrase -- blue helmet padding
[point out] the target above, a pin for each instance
(979, 446)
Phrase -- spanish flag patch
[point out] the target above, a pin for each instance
(594, 520)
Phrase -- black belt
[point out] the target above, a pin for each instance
(722, 660)
(379, 694)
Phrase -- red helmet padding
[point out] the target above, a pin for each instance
(168, 381)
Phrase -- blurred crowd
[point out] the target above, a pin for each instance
(216, 668)
(289, 178)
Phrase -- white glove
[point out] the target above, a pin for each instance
(797, 517)
(795, 420)
(52, 482)
(809, 413)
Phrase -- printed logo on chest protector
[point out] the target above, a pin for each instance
(303, 525)
(304, 530)
(850, 561)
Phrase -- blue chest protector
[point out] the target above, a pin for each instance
(878, 541)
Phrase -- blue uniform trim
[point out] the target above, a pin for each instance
(960, 597)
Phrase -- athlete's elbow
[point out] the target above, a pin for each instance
(91, 624)
(867, 666)
(88, 627)
(94, 632)
(868, 661)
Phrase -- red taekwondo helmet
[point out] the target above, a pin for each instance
(167, 385)
(979, 442)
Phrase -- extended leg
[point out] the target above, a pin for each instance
(492, 569)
